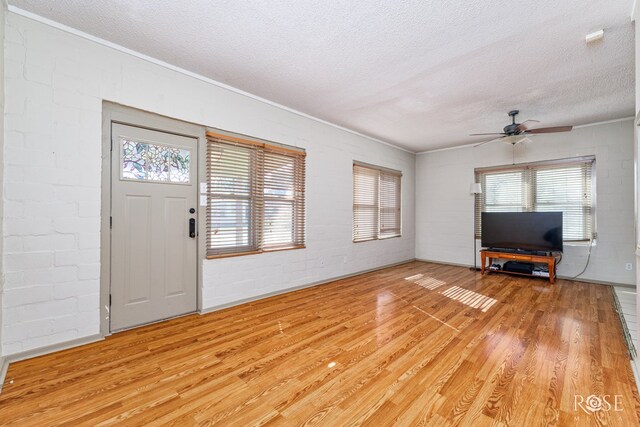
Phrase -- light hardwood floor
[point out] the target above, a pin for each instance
(416, 344)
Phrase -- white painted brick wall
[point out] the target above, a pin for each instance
(13, 210)
(637, 19)
(637, 144)
(55, 85)
(444, 207)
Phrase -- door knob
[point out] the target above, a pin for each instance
(192, 228)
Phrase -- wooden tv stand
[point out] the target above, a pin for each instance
(551, 262)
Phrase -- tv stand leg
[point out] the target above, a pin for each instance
(552, 270)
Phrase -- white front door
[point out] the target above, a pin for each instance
(153, 229)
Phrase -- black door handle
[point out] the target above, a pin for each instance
(192, 228)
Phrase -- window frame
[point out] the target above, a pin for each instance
(256, 196)
(296, 200)
(377, 207)
(529, 185)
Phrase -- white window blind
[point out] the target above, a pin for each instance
(557, 186)
(566, 189)
(365, 203)
(505, 192)
(389, 205)
(256, 197)
(284, 176)
(376, 203)
(234, 203)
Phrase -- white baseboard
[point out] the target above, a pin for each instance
(635, 367)
(597, 282)
(41, 351)
(4, 366)
(297, 288)
(624, 287)
(446, 263)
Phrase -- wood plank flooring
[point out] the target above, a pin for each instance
(398, 346)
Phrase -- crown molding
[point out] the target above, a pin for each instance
(125, 50)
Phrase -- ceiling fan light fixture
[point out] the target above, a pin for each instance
(514, 139)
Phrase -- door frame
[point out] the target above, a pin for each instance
(116, 113)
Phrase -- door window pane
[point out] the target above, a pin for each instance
(142, 161)
(134, 160)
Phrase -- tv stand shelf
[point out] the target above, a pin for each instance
(551, 261)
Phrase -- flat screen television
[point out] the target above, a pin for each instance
(528, 231)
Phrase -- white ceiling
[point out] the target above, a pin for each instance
(421, 74)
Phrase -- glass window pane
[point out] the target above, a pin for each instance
(233, 210)
(179, 166)
(503, 192)
(154, 162)
(134, 160)
(278, 222)
(279, 203)
(563, 190)
(230, 223)
(157, 161)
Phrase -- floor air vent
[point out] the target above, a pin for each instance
(625, 327)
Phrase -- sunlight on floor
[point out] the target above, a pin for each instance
(470, 298)
(426, 282)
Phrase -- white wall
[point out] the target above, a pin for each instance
(3, 8)
(444, 207)
(55, 85)
(635, 17)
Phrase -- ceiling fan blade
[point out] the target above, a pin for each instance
(551, 129)
(486, 142)
(485, 134)
(524, 125)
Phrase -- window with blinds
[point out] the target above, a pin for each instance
(255, 196)
(376, 203)
(556, 186)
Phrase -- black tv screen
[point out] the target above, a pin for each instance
(530, 231)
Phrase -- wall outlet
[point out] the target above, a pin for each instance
(628, 266)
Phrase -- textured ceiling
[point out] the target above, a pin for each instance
(421, 74)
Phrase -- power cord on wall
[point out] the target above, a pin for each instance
(588, 259)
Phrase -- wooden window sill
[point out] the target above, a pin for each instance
(229, 255)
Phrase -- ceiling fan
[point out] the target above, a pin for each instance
(515, 133)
